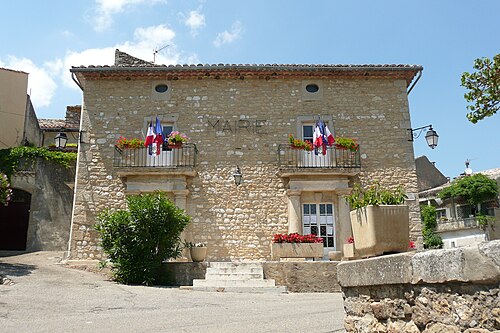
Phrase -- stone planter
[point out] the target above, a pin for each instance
(296, 250)
(380, 229)
(349, 252)
(198, 254)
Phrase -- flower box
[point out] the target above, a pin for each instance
(296, 250)
(380, 229)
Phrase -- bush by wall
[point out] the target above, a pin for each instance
(431, 239)
(138, 239)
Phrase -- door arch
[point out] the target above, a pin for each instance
(14, 220)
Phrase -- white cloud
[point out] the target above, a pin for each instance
(41, 85)
(226, 37)
(195, 21)
(146, 40)
(105, 9)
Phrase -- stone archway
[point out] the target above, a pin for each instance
(14, 221)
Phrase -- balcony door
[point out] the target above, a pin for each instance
(309, 158)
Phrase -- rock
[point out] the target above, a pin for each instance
(441, 328)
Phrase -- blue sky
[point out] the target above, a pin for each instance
(46, 38)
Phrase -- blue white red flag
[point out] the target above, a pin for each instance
(158, 140)
(150, 138)
(322, 137)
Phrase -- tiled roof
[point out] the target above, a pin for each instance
(12, 70)
(127, 66)
(57, 124)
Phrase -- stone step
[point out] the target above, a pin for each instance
(235, 270)
(254, 290)
(234, 276)
(233, 283)
(228, 264)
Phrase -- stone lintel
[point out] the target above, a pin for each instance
(472, 264)
(319, 172)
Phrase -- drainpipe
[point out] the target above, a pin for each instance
(76, 80)
(413, 84)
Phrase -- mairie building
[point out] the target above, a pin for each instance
(239, 118)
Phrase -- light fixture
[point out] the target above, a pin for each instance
(60, 140)
(238, 177)
(431, 136)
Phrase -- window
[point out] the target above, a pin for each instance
(307, 132)
(312, 88)
(441, 214)
(464, 211)
(318, 219)
(161, 88)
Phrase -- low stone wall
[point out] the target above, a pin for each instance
(456, 290)
(182, 273)
(303, 276)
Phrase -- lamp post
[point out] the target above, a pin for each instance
(431, 136)
(60, 140)
(238, 177)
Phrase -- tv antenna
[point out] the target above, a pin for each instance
(155, 51)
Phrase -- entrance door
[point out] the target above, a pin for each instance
(319, 220)
(14, 220)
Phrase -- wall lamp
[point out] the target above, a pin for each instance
(431, 136)
(60, 140)
(238, 177)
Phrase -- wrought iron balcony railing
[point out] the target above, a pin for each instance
(289, 157)
(184, 156)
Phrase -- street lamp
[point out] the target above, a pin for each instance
(61, 139)
(431, 136)
(238, 177)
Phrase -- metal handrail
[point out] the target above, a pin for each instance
(169, 157)
(335, 157)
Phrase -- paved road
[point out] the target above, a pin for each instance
(48, 297)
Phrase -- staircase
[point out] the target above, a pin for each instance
(237, 277)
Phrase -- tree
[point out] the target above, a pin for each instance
(475, 189)
(137, 240)
(483, 88)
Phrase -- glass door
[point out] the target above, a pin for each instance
(319, 220)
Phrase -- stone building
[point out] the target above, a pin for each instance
(240, 116)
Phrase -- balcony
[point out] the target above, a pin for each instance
(335, 158)
(457, 224)
(169, 158)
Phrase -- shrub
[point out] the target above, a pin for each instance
(138, 239)
(475, 189)
(431, 239)
(375, 195)
(5, 190)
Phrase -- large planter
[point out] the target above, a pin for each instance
(198, 254)
(296, 250)
(380, 229)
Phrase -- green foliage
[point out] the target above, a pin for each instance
(10, 157)
(475, 189)
(484, 220)
(375, 195)
(483, 88)
(138, 239)
(346, 143)
(300, 144)
(431, 239)
(5, 190)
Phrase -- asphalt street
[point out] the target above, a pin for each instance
(46, 296)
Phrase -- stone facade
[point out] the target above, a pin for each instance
(239, 116)
(432, 291)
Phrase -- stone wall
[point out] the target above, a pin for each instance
(305, 276)
(453, 290)
(255, 115)
(51, 189)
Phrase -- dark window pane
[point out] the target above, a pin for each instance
(322, 209)
(314, 230)
(312, 88)
(307, 131)
(313, 209)
(322, 230)
(306, 209)
(330, 242)
(161, 88)
(329, 209)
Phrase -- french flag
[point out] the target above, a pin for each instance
(322, 137)
(158, 139)
(150, 137)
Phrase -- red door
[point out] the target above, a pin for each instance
(14, 220)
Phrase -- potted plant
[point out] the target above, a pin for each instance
(379, 221)
(346, 143)
(176, 139)
(198, 251)
(296, 246)
(349, 251)
(299, 144)
(124, 143)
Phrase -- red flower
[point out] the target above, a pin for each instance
(412, 245)
(296, 238)
(350, 240)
